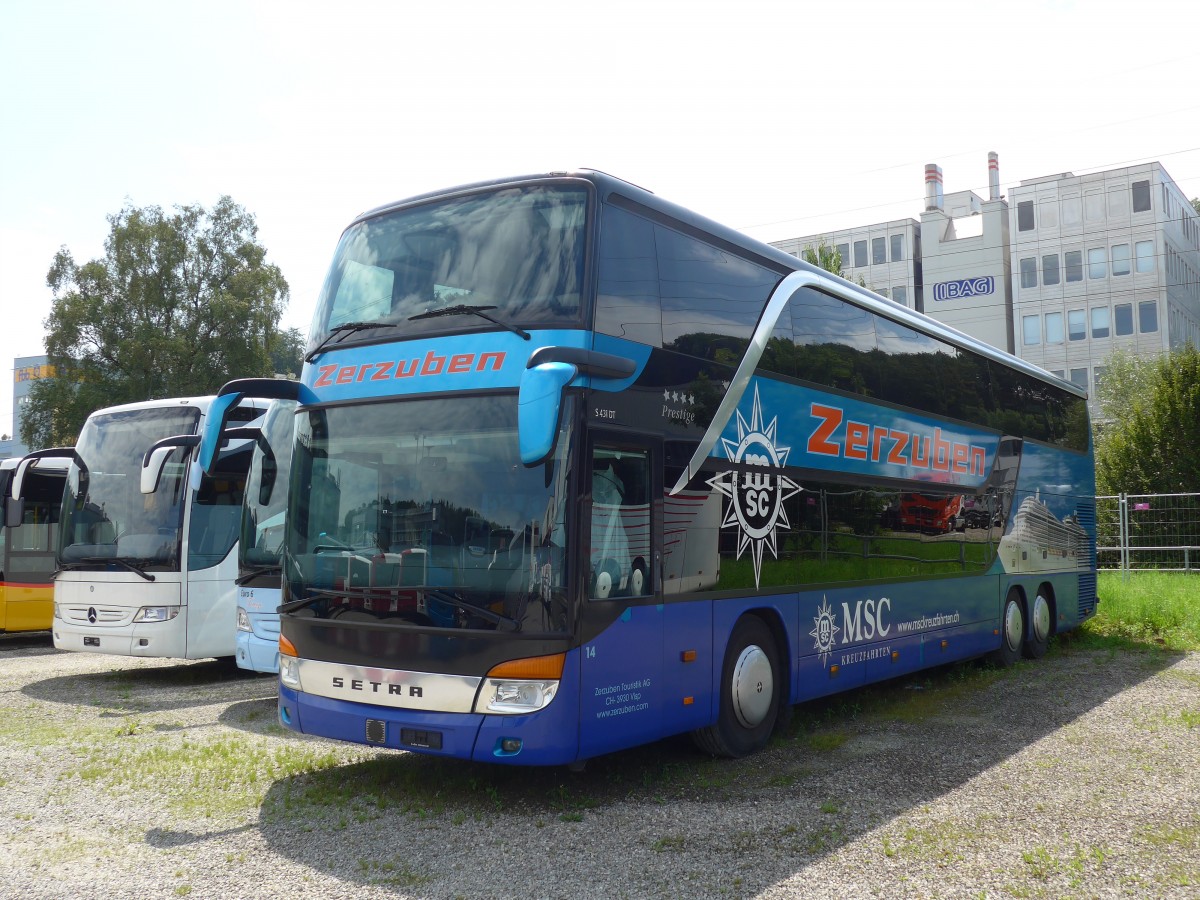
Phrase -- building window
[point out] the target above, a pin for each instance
(1093, 206)
(1118, 204)
(1148, 316)
(1099, 322)
(844, 252)
(897, 248)
(900, 294)
(1120, 259)
(1050, 269)
(1029, 272)
(1073, 262)
(1143, 252)
(1025, 215)
(1141, 196)
(860, 253)
(878, 251)
(883, 292)
(1097, 264)
(1123, 319)
(1032, 331)
(1076, 324)
(1054, 328)
(1072, 212)
(1048, 212)
(1079, 377)
(1098, 376)
(1057, 373)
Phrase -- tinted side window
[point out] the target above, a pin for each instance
(834, 342)
(711, 299)
(627, 303)
(912, 366)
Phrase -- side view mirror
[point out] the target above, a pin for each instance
(30, 459)
(230, 395)
(546, 376)
(155, 459)
(539, 406)
(14, 511)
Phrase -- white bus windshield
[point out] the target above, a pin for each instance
(106, 516)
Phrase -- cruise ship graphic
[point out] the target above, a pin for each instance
(1041, 542)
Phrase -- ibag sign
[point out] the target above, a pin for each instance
(967, 287)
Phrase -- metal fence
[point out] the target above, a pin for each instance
(1148, 531)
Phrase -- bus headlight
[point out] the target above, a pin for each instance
(243, 620)
(289, 671)
(515, 697)
(57, 611)
(157, 614)
(521, 685)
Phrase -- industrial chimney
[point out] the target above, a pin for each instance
(933, 186)
(993, 176)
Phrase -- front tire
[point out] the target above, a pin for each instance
(750, 693)
(1012, 631)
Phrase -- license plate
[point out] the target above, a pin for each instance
(91, 642)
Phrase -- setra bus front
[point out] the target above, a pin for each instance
(427, 573)
(426, 585)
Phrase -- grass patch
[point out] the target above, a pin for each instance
(1161, 608)
(204, 778)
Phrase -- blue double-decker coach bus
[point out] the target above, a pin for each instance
(576, 469)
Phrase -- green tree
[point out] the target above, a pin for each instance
(1128, 382)
(179, 303)
(287, 354)
(1196, 204)
(828, 258)
(1153, 446)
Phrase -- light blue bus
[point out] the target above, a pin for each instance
(260, 551)
(576, 469)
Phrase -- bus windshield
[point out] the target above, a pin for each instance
(421, 513)
(517, 252)
(106, 516)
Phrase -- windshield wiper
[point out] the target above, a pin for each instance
(315, 595)
(87, 561)
(462, 309)
(341, 332)
(437, 594)
(442, 596)
(250, 574)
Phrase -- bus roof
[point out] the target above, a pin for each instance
(608, 185)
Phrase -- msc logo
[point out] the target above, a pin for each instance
(863, 621)
(756, 498)
(967, 287)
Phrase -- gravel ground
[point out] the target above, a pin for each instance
(1078, 776)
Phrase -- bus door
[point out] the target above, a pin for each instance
(622, 613)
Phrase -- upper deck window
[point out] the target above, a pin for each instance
(517, 252)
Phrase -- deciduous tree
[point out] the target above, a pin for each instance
(1153, 445)
(179, 303)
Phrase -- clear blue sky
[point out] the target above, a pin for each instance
(780, 118)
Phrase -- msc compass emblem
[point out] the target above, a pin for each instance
(756, 498)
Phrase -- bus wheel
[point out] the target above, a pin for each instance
(1012, 631)
(750, 692)
(1040, 621)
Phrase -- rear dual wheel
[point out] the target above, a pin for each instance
(1041, 624)
(1012, 630)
